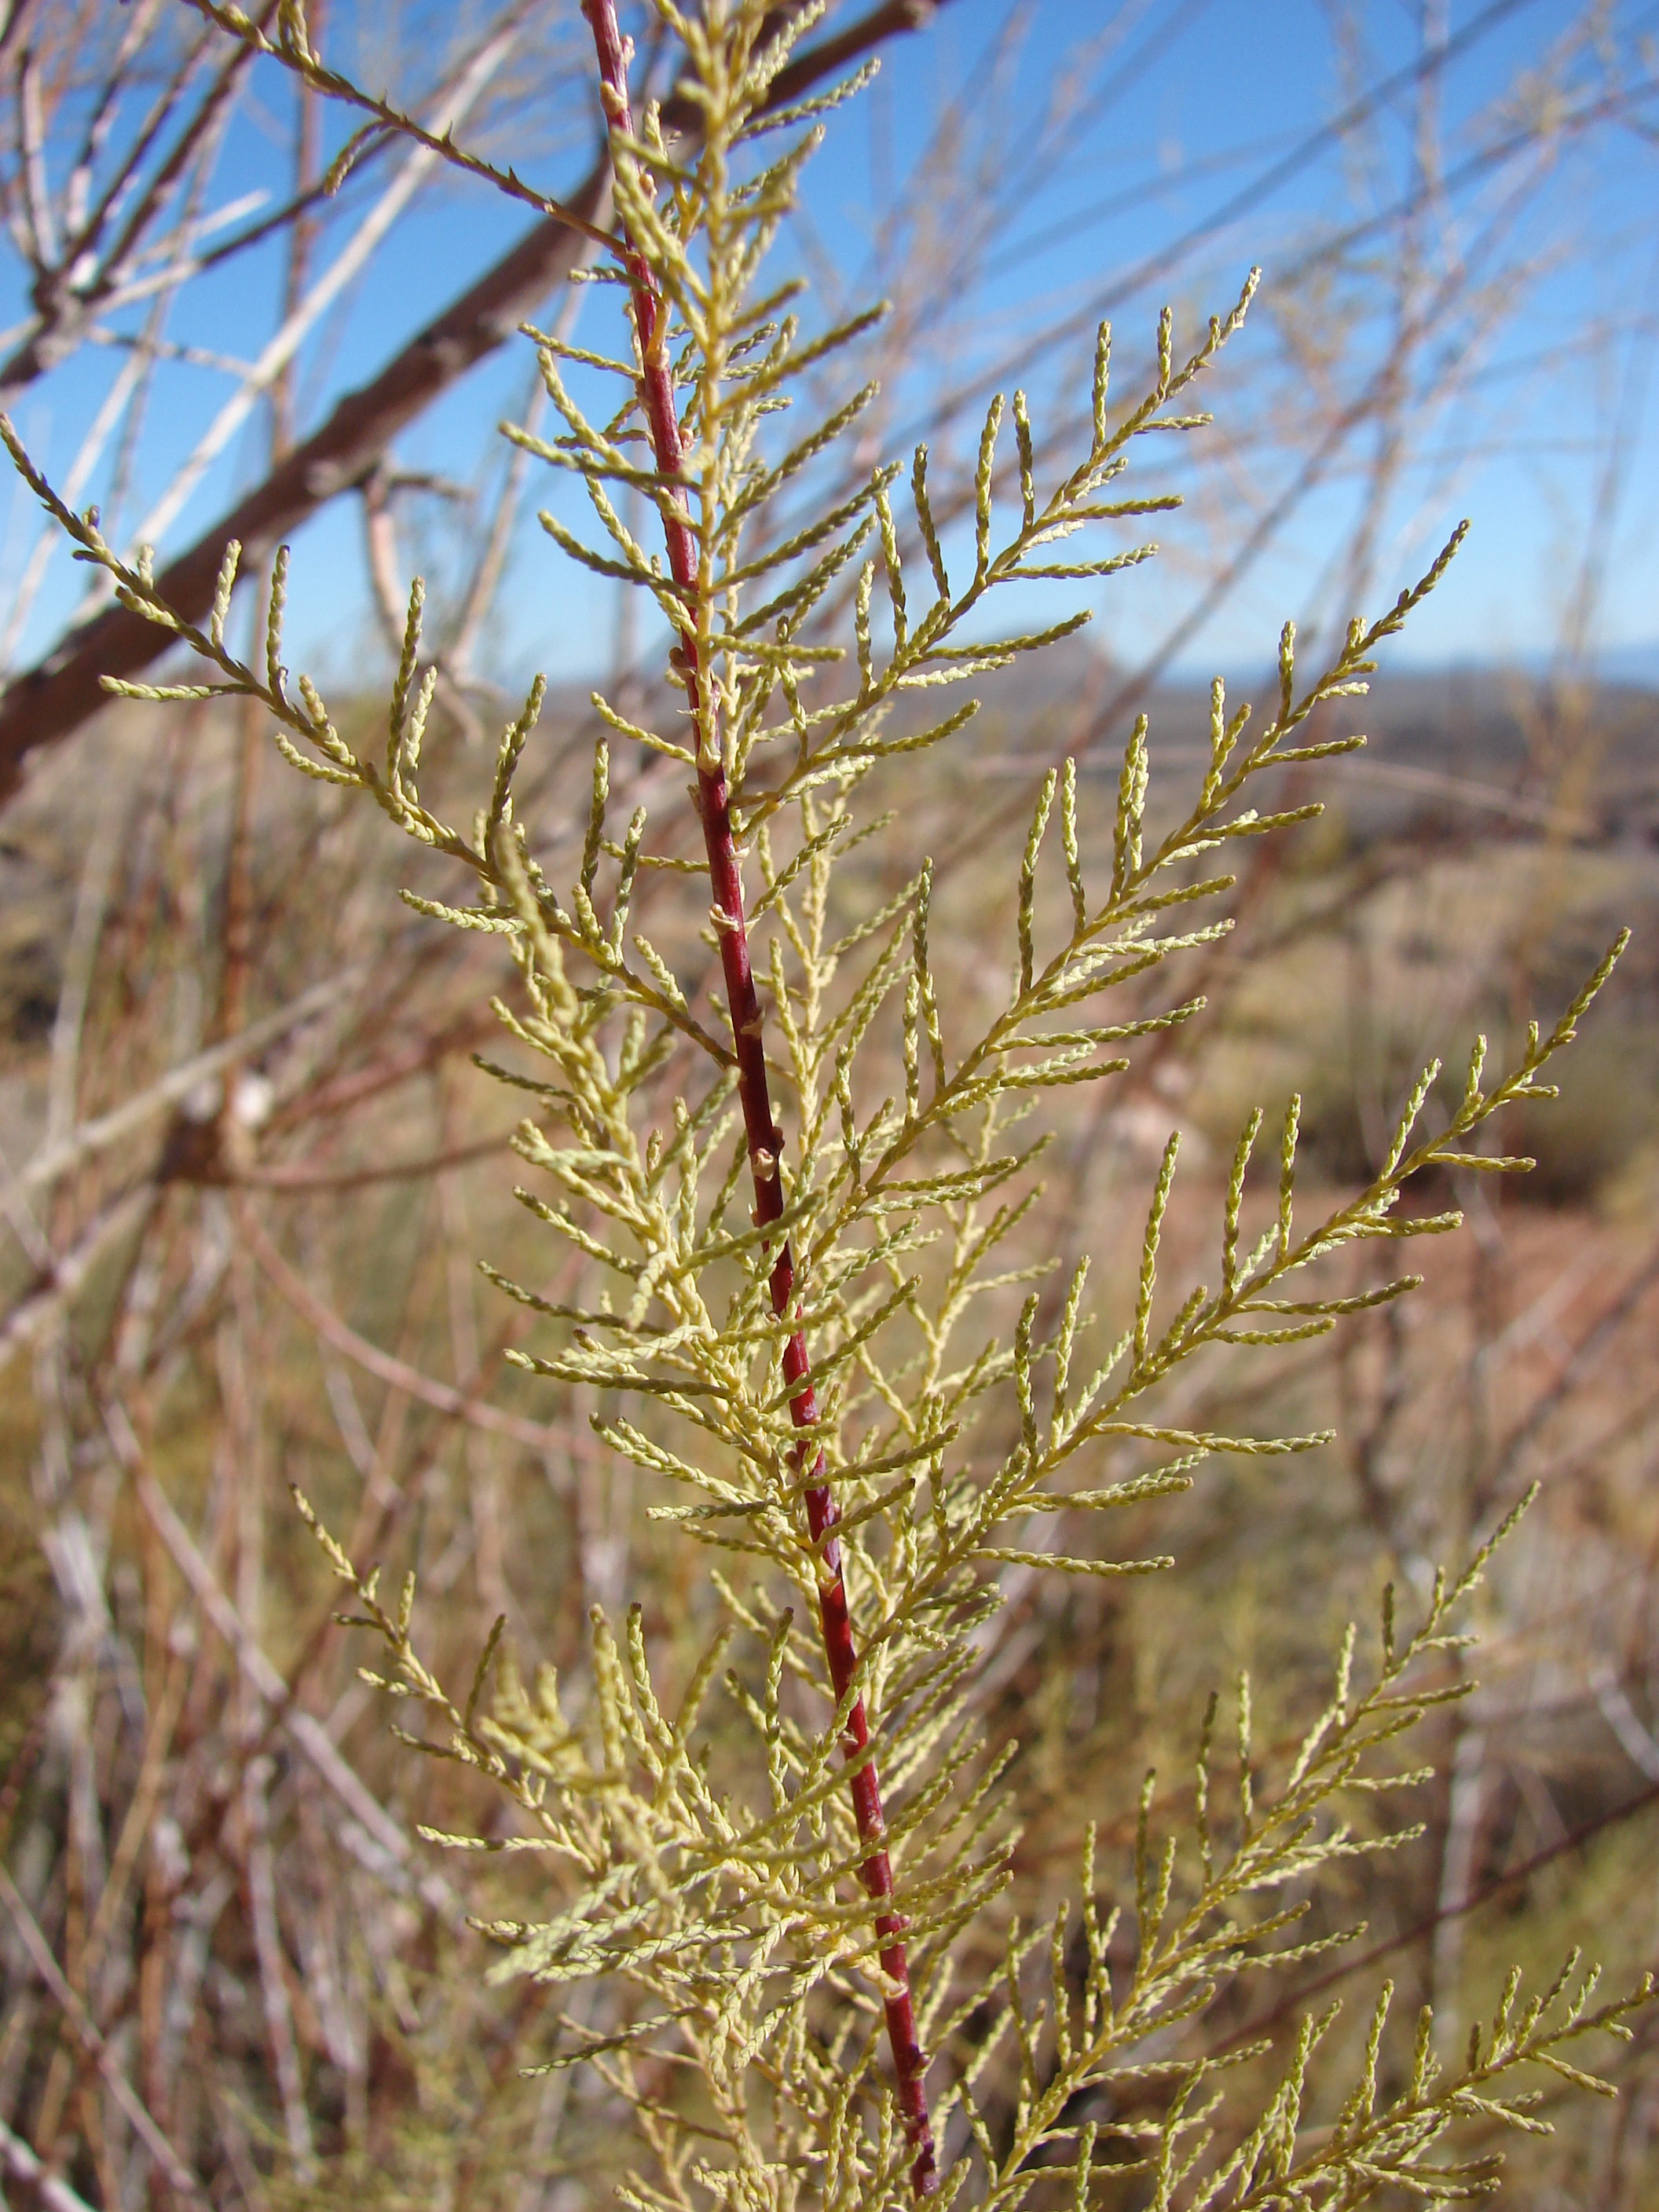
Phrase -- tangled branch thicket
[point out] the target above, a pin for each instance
(778, 1276)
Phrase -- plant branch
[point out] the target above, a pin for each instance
(765, 1140)
(50, 701)
(97, 2049)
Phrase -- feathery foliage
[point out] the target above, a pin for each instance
(786, 1271)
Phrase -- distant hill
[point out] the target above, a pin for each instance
(1483, 746)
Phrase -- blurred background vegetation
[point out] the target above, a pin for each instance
(246, 1165)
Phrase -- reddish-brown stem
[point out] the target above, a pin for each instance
(765, 1141)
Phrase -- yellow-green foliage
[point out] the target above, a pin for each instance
(728, 1908)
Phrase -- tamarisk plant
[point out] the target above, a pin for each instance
(785, 1273)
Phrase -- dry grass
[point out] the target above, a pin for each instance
(278, 1287)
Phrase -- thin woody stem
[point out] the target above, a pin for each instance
(656, 386)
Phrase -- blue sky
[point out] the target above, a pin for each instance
(1188, 104)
